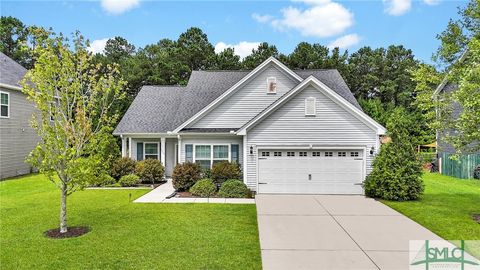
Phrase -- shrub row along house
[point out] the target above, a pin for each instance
(291, 131)
(17, 137)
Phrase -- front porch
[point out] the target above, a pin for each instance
(204, 149)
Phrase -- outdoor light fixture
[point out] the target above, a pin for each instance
(251, 150)
(372, 150)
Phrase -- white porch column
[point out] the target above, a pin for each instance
(162, 150)
(130, 147)
(179, 149)
(124, 147)
(245, 158)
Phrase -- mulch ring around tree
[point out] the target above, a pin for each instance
(476, 217)
(71, 232)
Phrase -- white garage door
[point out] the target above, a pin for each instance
(310, 171)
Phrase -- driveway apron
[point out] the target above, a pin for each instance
(333, 232)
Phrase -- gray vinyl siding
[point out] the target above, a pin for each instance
(17, 137)
(247, 101)
(288, 126)
(212, 140)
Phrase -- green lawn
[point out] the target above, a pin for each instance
(124, 235)
(446, 208)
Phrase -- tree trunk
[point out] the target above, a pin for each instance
(63, 209)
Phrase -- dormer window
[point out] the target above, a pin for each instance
(310, 106)
(271, 85)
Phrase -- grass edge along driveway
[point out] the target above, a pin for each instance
(446, 208)
(124, 235)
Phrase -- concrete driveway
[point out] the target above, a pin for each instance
(333, 232)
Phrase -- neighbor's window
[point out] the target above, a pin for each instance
(220, 153)
(151, 150)
(4, 104)
(329, 154)
(203, 156)
(310, 108)
(271, 85)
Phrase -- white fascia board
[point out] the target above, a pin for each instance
(11, 87)
(329, 92)
(236, 86)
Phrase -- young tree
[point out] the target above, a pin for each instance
(75, 103)
(456, 114)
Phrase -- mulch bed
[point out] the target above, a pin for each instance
(476, 217)
(71, 232)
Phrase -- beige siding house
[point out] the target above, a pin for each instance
(17, 138)
(291, 131)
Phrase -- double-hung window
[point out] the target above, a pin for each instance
(203, 156)
(207, 155)
(4, 105)
(151, 150)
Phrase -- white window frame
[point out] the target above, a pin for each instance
(8, 104)
(314, 106)
(269, 80)
(211, 153)
(158, 149)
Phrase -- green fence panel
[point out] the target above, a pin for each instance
(460, 168)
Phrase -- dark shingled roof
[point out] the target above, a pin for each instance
(158, 109)
(11, 72)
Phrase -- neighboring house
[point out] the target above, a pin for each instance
(17, 138)
(463, 166)
(291, 131)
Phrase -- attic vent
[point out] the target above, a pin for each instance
(310, 107)
(271, 85)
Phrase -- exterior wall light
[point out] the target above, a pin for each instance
(251, 150)
(372, 150)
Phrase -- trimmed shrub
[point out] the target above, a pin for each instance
(103, 180)
(476, 172)
(185, 175)
(122, 166)
(221, 171)
(234, 188)
(397, 171)
(204, 188)
(129, 180)
(150, 170)
(206, 173)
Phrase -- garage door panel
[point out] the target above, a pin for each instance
(340, 172)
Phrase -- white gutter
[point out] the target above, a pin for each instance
(11, 87)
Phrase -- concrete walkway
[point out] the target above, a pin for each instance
(334, 232)
(159, 195)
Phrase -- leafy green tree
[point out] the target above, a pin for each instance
(262, 53)
(308, 56)
(75, 100)
(13, 40)
(397, 171)
(118, 48)
(227, 60)
(455, 114)
(195, 50)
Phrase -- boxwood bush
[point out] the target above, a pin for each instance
(150, 170)
(103, 180)
(129, 180)
(221, 171)
(185, 175)
(234, 188)
(204, 188)
(122, 166)
(397, 171)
